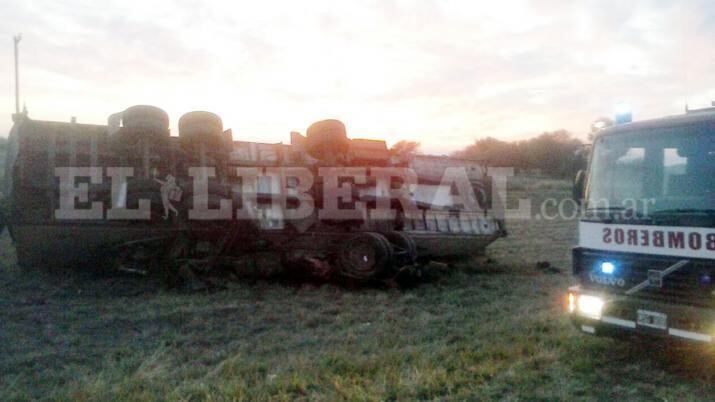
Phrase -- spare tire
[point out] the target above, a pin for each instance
(202, 128)
(145, 117)
(327, 138)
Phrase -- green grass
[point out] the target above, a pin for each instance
(487, 331)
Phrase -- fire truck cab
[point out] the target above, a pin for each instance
(645, 259)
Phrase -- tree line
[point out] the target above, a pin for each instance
(555, 153)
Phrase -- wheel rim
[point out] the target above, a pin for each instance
(362, 257)
(359, 259)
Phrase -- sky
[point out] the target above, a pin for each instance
(443, 73)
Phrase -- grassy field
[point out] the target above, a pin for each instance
(484, 331)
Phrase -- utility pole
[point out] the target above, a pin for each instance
(17, 39)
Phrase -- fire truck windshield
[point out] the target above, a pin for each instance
(654, 171)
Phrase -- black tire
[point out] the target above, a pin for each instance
(145, 117)
(405, 249)
(364, 257)
(327, 138)
(142, 126)
(206, 128)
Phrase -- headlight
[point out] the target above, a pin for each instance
(571, 302)
(590, 306)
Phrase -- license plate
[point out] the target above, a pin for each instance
(652, 319)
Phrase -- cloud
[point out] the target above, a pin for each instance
(441, 72)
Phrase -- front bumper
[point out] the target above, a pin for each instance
(622, 315)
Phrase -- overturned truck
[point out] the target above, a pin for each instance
(132, 196)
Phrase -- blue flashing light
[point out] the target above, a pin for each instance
(608, 268)
(624, 114)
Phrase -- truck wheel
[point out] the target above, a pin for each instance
(326, 138)
(202, 127)
(365, 256)
(145, 117)
(405, 249)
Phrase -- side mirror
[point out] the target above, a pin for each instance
(579, 186)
